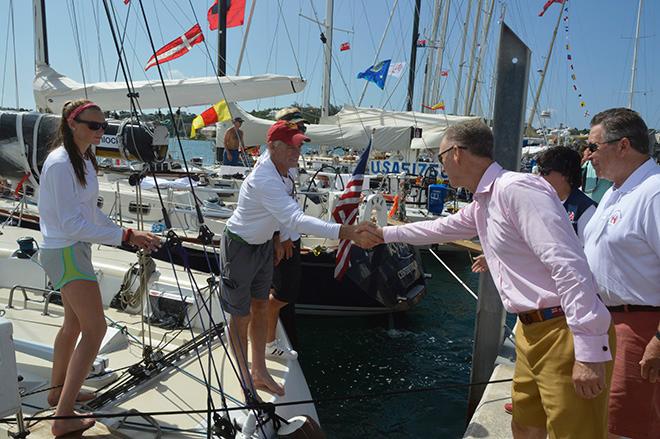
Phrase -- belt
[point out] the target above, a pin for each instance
(235, 237)
(540, 315)
(632, 308)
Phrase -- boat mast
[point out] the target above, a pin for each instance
(473, 53)
(634, 63)
(435, 86)
(545, 70)
(413, 56)
(40, 34)
(428, 69)
(222, 37)
(380, 46)
(484, 38)
(245, 37)
(325, 106)
(461, 59)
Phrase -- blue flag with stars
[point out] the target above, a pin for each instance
(376, 73)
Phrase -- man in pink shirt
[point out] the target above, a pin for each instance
(563, 366)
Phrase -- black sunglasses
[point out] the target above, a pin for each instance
(449, 149)
(93, 125)
(593, 147)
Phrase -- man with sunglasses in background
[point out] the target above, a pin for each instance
(563, 358)
(622, 244)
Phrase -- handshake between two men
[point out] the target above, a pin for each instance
(365, 234)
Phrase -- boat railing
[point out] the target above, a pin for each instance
(46, 293)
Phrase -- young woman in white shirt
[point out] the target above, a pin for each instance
(70, 221)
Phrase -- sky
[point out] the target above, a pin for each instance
(283, 40)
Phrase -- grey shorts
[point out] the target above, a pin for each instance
(247, 272)
(62, 265)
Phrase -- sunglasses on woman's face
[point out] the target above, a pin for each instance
(93, 125)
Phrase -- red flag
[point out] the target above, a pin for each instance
(346, 212)
(421, 43)
(444, 73)
(344, 46)
(547, 5)
(127, 2)
(235, 14)
(177, 47)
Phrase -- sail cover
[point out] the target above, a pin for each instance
(352, 126)
(430, 127)
(52, 90)
(354, 136)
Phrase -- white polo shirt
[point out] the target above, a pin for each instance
(264, 204)
(622, 240)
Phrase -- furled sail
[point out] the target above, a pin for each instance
(52, 90)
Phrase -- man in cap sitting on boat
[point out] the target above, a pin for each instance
(563, 364)
(233, 144)
(622, 244)
(248, 244)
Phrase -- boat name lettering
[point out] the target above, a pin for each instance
(109, 140)
(396, 167)
(405, 271)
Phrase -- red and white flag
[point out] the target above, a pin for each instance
(346, 212)
(177, 47)
(344, 46)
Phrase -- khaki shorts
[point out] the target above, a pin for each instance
(542, 391)
(63, 265)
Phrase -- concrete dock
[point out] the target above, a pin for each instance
(490, 420)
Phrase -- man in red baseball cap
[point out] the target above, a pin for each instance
(265, 205)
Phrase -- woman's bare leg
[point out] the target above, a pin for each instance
(84, 299)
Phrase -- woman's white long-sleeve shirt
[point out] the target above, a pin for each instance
(68, 212)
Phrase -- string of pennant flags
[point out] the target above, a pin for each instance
(569, 58)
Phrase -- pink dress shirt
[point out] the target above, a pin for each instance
(533, 255)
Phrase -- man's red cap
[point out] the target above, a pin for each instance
(287, 132)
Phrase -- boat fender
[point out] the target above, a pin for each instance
(375, 202)
(300, 427)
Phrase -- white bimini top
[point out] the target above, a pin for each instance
(68, 212)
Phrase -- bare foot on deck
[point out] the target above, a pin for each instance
(267, 383)
(54, 397)
(63, 427)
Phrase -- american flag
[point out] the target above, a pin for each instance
(346, 212)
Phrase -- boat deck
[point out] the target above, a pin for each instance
(181, 387)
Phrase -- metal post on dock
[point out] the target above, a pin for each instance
(513, 59)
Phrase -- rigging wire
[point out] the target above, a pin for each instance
(74, 22)
(13, 44)
(99, 50)
(264, 405)
(4, 62)
(286, 29)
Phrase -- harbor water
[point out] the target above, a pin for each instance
(429, 346)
